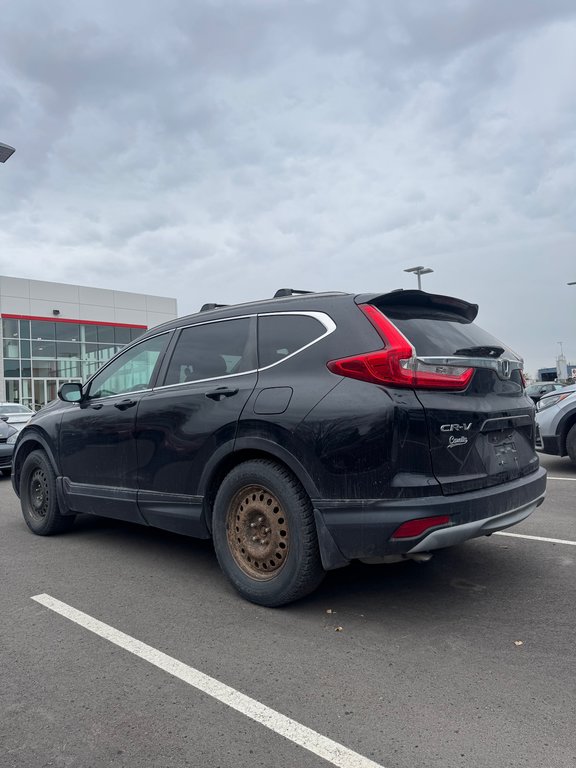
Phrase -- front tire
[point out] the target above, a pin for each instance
(265, 535)
(38, 497)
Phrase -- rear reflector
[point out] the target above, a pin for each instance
(397, 364)
(413, 528)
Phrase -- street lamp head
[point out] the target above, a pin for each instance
(5, 152)
(572, 283)
(419, 271)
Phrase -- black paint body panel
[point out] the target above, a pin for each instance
(369, 456)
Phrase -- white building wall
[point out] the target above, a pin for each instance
(39, 298)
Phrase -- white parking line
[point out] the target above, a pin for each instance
(535, 538)
(293, 731)
(562, 478)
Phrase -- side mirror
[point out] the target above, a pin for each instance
(71, 392)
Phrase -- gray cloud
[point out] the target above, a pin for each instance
(220, 149)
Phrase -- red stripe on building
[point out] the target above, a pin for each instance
(67, 320)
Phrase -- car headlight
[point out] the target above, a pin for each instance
(546, 402)
(12, 439)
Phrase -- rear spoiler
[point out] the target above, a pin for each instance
(429, 305)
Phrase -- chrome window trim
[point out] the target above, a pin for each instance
(202, 381)
(322, 317)
(120, 394)
(212, 322)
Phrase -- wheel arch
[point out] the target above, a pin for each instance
(566, 424)
(30, 442)
(247, 450)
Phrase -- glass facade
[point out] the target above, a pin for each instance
(39, 355)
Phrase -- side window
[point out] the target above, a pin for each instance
(131, 371)
(281, 335)
(211, 350)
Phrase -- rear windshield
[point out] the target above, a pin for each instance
(448, 336)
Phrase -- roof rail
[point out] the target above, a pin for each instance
(208, 307)
(289, 292)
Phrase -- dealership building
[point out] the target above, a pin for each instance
(55, 332)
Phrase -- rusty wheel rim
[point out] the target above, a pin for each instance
(258, 532)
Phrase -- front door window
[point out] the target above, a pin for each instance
(131, 371)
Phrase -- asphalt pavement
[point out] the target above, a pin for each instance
(467, 660)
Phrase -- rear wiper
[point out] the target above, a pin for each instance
(480, 352)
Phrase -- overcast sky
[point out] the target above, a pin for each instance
(216, 150)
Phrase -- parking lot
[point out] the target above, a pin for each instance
(467, 660)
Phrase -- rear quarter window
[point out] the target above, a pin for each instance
(282, 335)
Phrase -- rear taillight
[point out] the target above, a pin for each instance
(413, 528)
(396, 364)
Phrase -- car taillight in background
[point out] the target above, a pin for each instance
(397, 364)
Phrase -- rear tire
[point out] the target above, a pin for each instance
(38, 497)
(571, 443)
(265, 535)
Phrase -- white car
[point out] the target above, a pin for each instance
(556, 423)
(14, 413)
(13, 417)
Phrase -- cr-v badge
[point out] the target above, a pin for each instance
(455, 427)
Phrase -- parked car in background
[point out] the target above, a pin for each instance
(12, 418)
(556, 423)
(540, 388)
(300, 432)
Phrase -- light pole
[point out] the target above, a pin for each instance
(573, 283)
(5, 152)
(419, 271)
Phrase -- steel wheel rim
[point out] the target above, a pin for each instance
(257, 532)
(39, 494)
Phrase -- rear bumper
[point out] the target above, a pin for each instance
(351, 529)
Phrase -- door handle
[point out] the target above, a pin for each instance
(218, 394)
(124, 404)
(96, 406)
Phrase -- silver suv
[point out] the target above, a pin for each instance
(556, 423)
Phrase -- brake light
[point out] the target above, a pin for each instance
(396, 363)
(413, 528)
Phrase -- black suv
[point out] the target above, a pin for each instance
(300, 433)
